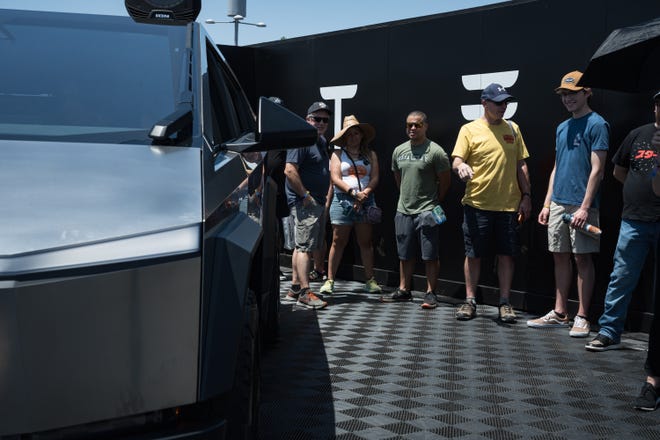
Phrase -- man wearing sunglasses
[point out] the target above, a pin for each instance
(307, 188)
(421, 172)
(489, 156)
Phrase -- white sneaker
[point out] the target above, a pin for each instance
(550, 320)
(580, 328)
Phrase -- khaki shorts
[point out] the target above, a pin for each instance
(309, 227)
(562, 238)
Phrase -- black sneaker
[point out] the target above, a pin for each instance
(602, 343)
(648, 398)
(430, 301)
(315, 275)
(398, 296)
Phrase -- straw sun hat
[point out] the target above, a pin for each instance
(368, 131)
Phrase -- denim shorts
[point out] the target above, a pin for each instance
(337, 216)
(417, 232)
(484, 229)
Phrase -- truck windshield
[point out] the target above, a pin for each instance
(84, 78)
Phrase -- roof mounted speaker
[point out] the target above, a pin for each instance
(172, 12)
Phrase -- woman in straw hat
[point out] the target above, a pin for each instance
(354, 175)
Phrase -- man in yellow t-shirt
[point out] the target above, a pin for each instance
(489, 156)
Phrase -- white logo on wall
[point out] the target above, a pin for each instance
(479, 82)
(336, 94)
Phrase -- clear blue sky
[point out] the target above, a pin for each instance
(284, 18)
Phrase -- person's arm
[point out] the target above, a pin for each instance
(525, 207)
(595, 178)
(620, 173)
(444, 180)
(462, 169)
(397, 179)
(329, 196)
(291, 172)
(655, 141)
(544, 215)
(335, 173)
(374, 177)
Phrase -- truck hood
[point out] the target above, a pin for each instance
(56, 196)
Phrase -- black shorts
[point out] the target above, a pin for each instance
(484, 229)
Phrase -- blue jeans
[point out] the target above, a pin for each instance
(635, 240)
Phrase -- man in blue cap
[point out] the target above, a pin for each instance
(489, 156)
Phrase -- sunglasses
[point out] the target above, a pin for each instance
(320, 119)
(499, 104)
(414, 124)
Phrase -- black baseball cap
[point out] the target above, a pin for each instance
(320, 105)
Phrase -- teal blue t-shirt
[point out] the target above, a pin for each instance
(576, 139)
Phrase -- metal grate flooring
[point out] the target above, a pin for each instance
(361, 369)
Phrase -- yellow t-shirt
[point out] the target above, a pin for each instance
(493, 152)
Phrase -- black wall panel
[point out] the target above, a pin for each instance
(418, 64)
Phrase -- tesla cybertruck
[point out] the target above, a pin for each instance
(138, 261)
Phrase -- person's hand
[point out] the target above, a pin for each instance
(309, 201)
(465, 172)
(544, 215)
(580, 218)
(361, 197)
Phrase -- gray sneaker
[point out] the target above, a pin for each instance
(308, 300)
(430, 301)
(291, 296)
(466, 311)
(507, 314)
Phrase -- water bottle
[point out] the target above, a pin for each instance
(568, 218)
(439, 215)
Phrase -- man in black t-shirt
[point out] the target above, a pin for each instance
(635, 165)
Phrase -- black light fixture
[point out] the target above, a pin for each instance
(172, 12)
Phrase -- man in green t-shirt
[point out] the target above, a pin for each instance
(421, 171)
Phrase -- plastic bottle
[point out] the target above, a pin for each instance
(439, 215)
(568, 218)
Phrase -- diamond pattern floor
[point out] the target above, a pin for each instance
(361, 369)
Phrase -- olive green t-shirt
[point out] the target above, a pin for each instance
(419, 167)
